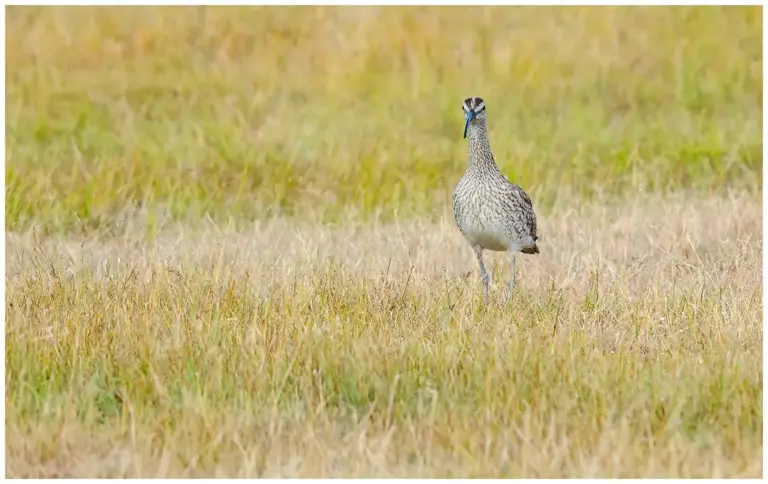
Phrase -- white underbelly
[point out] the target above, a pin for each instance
(487, 239)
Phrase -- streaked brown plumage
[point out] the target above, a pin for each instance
(491, 212)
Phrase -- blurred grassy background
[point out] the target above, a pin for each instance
(330, 113)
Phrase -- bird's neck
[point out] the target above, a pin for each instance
(480, 155)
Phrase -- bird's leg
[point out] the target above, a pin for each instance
(483, 274)
(512, 278)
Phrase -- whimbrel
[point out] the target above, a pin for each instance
(492, 213)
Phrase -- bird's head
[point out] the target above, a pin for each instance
(474, 110)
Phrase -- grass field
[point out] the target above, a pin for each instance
(230, 250)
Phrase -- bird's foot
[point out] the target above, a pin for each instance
(510, 288)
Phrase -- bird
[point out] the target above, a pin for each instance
(491, 212)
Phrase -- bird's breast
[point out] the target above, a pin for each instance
(481, 225)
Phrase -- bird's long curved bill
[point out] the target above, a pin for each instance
(469, 117)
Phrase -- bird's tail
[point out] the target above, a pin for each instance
(531, 248)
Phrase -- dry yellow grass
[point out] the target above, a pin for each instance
(633, 348)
